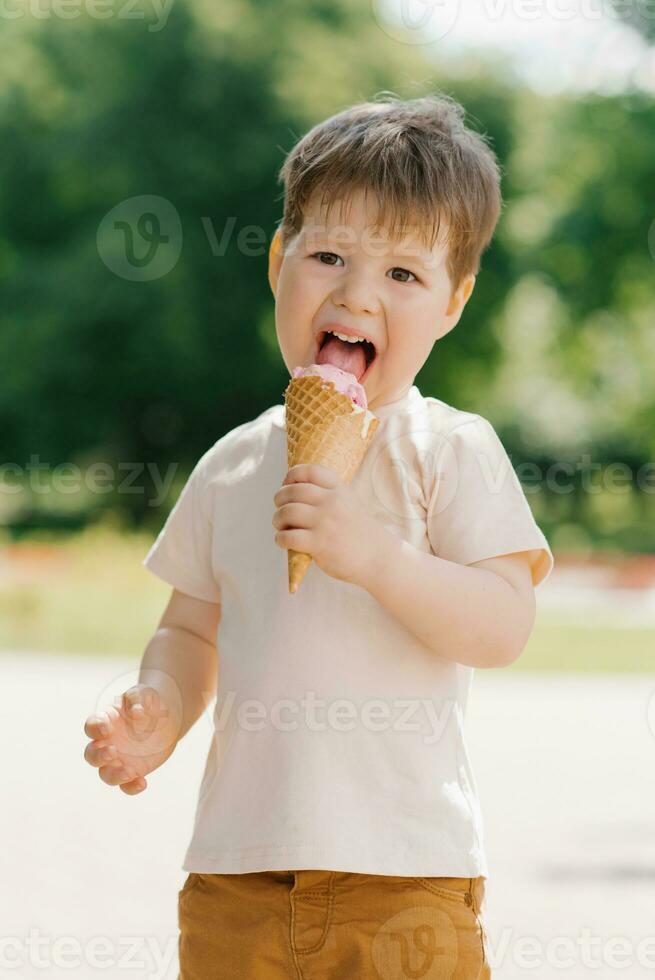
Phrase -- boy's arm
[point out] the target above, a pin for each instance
(181, 660)
(480, 614)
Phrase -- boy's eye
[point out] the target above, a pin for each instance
(335, 256)
(398, 269)
(318, 255)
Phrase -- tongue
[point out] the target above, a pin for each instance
(341, 354)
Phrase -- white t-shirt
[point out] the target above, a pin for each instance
(349, 754)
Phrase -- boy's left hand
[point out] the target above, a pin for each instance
(322, 516)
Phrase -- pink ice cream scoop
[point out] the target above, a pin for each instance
(343, 380)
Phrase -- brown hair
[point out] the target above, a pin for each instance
(420, 161)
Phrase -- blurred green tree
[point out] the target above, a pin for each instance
(199, 110)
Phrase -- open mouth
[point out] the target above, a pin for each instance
(363, 364)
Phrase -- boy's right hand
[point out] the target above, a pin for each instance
(131, 738)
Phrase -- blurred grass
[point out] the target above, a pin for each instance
(586, 649)
(88, 593)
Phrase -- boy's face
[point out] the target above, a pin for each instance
(341, 273)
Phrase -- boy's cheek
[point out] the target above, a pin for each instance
(295, 335)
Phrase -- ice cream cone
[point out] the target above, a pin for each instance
(323, 426)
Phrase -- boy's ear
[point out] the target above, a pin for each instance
(459, 298)
(457, 303)
(274, 260)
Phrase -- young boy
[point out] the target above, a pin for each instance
(338, 831)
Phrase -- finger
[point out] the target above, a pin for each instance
(134, 786)
(296, 539)
(97, 726)
(307, 493)
(98, 755)
(294, 515)
(115, 775)
(321, 476)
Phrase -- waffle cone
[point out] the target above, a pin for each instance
(323, 428)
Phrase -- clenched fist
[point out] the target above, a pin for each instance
(317, 513)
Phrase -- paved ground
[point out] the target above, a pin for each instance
(565, 768)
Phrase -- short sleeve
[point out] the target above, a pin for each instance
(182, 552)
(477, 508)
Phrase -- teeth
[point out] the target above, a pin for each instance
(349, 340)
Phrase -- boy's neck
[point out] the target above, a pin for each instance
(391, 401)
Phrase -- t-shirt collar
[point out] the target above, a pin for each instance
(410, 398)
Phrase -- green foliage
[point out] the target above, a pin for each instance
(554, 346)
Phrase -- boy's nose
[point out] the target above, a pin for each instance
(357, 295)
